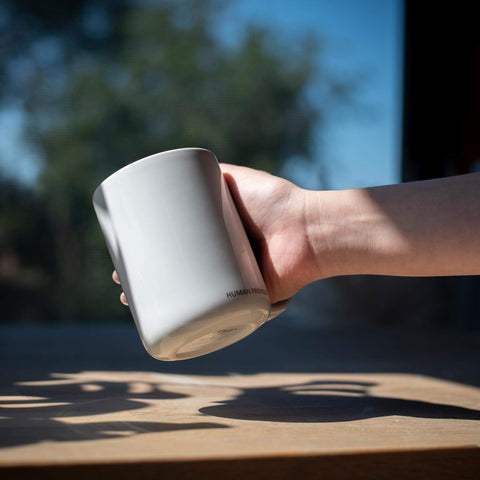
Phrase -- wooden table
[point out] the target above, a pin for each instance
(284, 403)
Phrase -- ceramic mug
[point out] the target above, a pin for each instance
(182, 255)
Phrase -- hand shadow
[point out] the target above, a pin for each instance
(325, 401)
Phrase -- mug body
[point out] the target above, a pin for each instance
(181, 253)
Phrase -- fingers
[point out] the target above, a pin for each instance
(123, 298)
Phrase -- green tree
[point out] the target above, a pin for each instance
(160, 80)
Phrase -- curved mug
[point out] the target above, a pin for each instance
(182, 255)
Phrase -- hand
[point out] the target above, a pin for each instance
(273, 211)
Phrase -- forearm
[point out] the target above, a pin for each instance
(426, 228)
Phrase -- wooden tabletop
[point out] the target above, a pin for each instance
(85, 401)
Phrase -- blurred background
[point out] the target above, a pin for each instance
(331, 95)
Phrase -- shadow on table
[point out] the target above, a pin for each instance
(34, 411)
(63, 407)
(327, 401)
(38, 410)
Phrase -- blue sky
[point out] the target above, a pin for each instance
(361, 36)
(364, 36)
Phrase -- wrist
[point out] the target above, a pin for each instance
(345, 231)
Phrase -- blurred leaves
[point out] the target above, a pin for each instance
(110, 82)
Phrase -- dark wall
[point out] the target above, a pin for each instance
(441, 121)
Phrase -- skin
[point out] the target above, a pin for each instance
(429, 228)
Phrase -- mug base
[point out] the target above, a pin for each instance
(213, 341)
(214, 334)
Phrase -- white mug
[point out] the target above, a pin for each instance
(182, 255)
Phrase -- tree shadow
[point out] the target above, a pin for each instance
(62, 407)
(32, 412)
(327, 401)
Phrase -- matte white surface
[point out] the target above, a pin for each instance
(181, 253)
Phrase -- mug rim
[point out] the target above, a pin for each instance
(136, 163)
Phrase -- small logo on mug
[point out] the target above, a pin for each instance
(246, 291)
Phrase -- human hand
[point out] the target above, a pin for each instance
(273, 211)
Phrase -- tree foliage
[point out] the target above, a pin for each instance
(148, 77)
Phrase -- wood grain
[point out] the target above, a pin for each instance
(164, 423)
